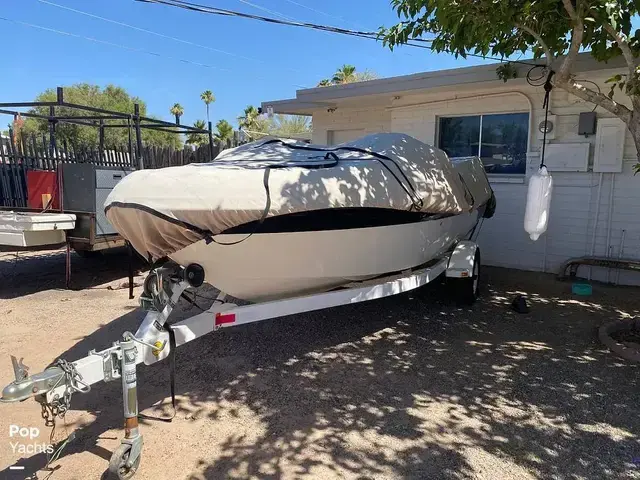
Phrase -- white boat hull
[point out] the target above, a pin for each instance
(281, 265)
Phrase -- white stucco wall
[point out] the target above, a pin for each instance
(368, 120)
(575, 201)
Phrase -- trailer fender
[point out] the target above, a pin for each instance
(462, 260)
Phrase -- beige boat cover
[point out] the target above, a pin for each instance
(164, 210)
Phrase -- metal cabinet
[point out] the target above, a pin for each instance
(85, 189)
(105, 181)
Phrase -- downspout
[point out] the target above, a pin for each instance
(483, 95)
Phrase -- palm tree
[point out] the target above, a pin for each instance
(197, 138)
(225, 132)
(325, 82)
(248, 120)
(207, 97)
(177, 110)
(345, 74)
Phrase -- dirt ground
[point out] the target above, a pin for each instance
(406, 387)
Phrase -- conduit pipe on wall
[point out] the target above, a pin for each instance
(478, 97)
(620, 252)
(609, 220)
(595, 221)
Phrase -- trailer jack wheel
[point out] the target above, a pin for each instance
(121, 466)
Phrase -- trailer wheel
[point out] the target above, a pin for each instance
(467, 290)
(118, 463)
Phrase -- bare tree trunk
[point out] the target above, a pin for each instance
(634, 129)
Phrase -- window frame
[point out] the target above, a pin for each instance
(492, 175)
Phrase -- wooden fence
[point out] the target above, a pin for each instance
(17, 156)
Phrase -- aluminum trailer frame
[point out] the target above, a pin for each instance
(151, 343)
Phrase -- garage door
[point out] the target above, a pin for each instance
(335, 137)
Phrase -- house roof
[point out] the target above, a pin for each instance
(310, 99)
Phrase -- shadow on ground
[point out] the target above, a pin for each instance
(406, 387)
(46, 270)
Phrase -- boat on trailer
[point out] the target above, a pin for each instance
(372, 249)
(274, 219)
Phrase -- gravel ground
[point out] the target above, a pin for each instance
(406, 387)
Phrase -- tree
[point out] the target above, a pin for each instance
(225, 132)
(365, 76)
(177, 111)
(248, 120)
(198, 139)
(110, 97)
(18, 128)
(253, 124)
(207, 97)
(289, 125)
(348, 74)
(345, 74)
(555, 30)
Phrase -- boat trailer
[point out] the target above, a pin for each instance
(156, 340)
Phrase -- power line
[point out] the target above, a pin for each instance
(329, 15)
(265, 9)
(422, 42)
(306, 7)
(326, 14)
(124, 47)
(158, 34)
(111, 44)
(232, 13)
(291, 19)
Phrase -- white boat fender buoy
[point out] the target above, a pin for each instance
(536, 215)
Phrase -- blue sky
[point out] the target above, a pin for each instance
(263, 61)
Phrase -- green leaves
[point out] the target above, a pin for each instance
(177, 110)
(347, 74)
(486, 27)
(506, 71)
(111, 97)
(198, 138)
(224, 133)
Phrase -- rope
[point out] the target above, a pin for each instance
(548, 86)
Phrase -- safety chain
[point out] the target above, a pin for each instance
(60, 405)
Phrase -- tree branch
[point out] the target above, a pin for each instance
(547, 51)
(576, 42)
(597, 98)
(624, 46)
(568, 6)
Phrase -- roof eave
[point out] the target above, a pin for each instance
(310, 99)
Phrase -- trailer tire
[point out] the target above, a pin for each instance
(467, 290)
(118, 463)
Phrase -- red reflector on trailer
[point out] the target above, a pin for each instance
(225, 318)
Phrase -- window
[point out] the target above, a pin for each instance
(499, 140)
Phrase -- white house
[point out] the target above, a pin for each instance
(596, 202)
